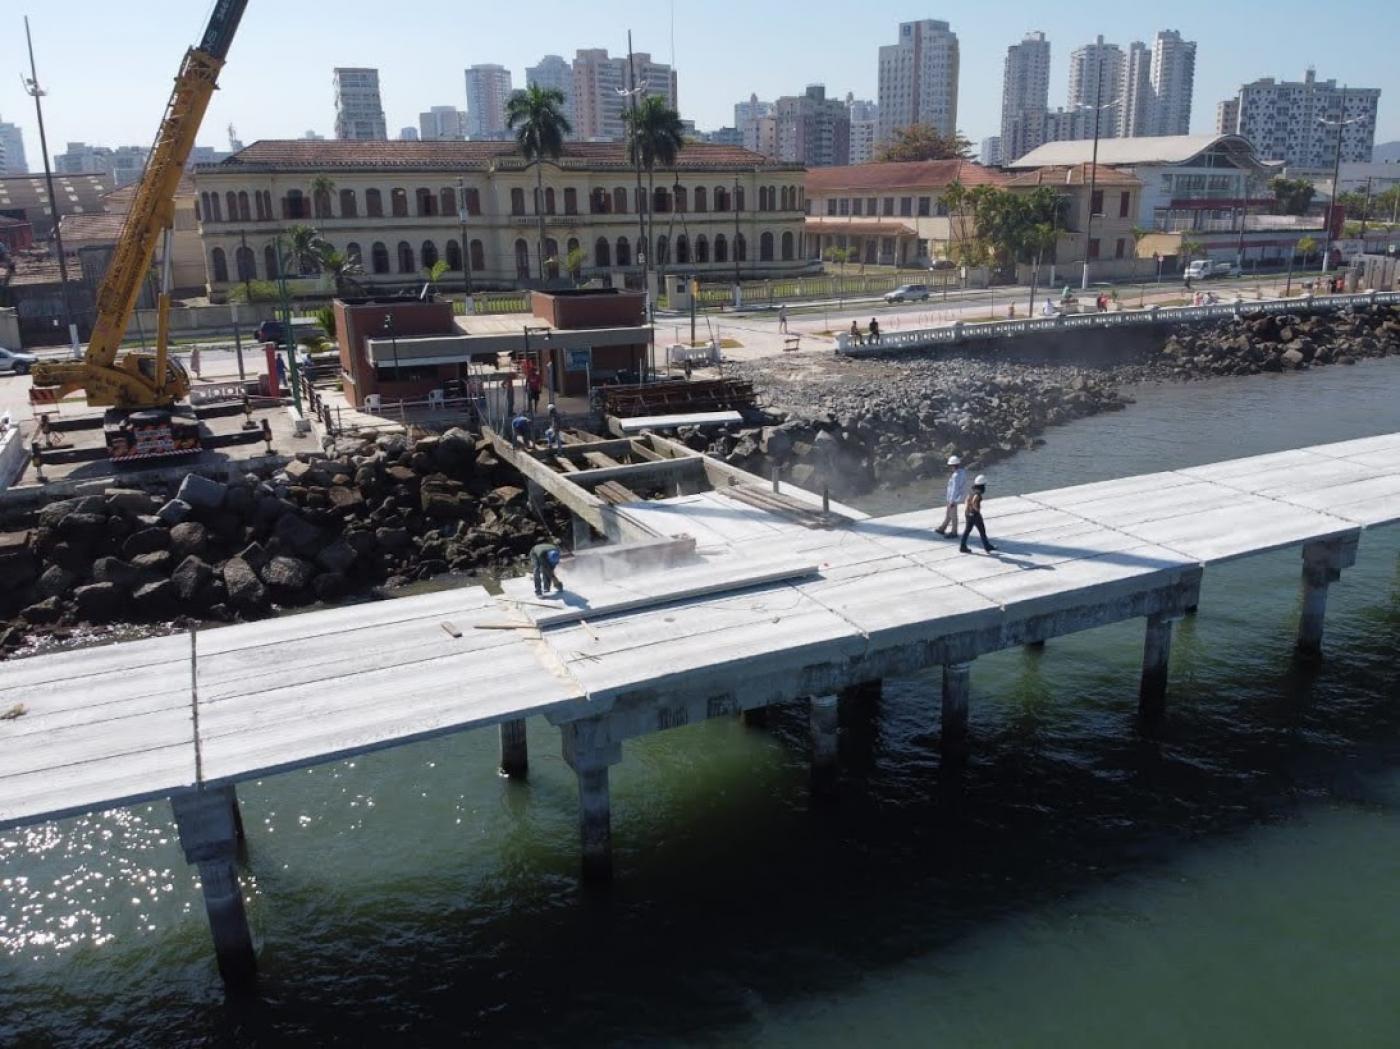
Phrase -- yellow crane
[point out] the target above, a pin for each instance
(136, 381)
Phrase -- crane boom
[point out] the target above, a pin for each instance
(140, 380)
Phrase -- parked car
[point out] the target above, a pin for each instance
(270, 331)
(941, 264)
(908, 293)
(15, 362)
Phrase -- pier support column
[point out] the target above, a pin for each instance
(1156, 654)
(515, 755)
(866, 693)
(824, 725)
(209, 830)
(589, 753)
(1323, 562)
(957, 689)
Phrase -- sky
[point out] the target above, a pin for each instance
(107, 67)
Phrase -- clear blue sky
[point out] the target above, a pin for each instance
(107, 65)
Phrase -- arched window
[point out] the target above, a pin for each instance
(517, 201)
(663, 250)
(352, 253)
(478, 256)
(549, 200)
(787, 246)
(640, 198)
(702, 249)
(245, 263)
(398, 203)
(570, 201)
(429, 254)
(721, 199)
(349, 204)
(522, 259)
(374, 204)
(570, 248)
(220, 264)
(602, 255)
(721, 248)
(231, 201)
(738, 198)
(294, 205)
(682, 196)
(624, 252)
(598, 202)
(772, 198)
(551, 258)
(270, 262)
(620, 201)
(700, 198)
(406, 257)
(201, 208)
(765, 247)
(265, 204)
(472, 199)
(425, 204)
(215, 215)
(454, 256)
(244, 214)
(660, 200)
(682, 250)
(379, 257)
(447, 201)
(741, 248)
(321, 200)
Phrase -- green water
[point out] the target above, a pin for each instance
(1232, 884)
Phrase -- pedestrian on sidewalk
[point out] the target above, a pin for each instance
(194, 362)
(782, 318)
(874, 330)
(955, 493)
(544, 559)
(974, 516)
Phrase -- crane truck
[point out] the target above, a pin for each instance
(146, 394)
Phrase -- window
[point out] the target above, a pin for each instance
(663, 250)
(405, 257)
(741, 248)
(244, 263)
(379, 257)
(787, 246)
(855, 205)
(699, 198)
(906, 207)
(1096, 203)
(661, 200)
(602, 254)
(398, 203)
(293, 205)
(682, 197)
(620, 201)
(738, 199)
(571, 201)
(924, 203)
(215, 213)
(232, 200)
(352, 252)
(243, 212)
(721, 248)
(220, 264)
(1123, 204)
(201, 209)
(1094, 248)
(702, 249)
(870, 206)
(322, 201)
(349, 207)
(454, 256)
(721, 199)
(473, 201)
(941, 210)
(889, 206)
(682, 250)
(765, 247)
(551, 256)
(522, 259)
(374, 204)
(517, 201)
(478, 254)
(1118, 248)
(598, 203)
(549, 200)
(270, 262)
(447, 201)
(831, 205)
(844, 206)
(425, 203)
(772, 198)
(429, 254)
(624, 253)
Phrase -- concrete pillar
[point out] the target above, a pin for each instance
(583, 534)
(1323, 561)
(208, 825)
(866, 693)
(1156, 654)
(515, 755)
(823, 719)
(957, 688)
(589, 752)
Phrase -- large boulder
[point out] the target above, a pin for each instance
(51, 515)
(395, 540)
(287, 573)
(774, 442)
(330, 586)
(1292, 358)
(19, 564)
(146, 541)
(42, 613)
(202, 493)
(83, 527)
(246, 592)
(306, 474)
(191, 577)
(175, 511)
(130, 502)
(115, 570)
(55, 582)
(337, 556)
(154, 600)
(344, 500)
(299, 536)
(188, 537)
(157, 562)
(444, 498)
(98, 602)
(455, 452)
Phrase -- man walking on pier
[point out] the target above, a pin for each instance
(956, 492)
(974, 516)
(544, 558)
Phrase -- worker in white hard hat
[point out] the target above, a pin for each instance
(955, 493)
(974, 515)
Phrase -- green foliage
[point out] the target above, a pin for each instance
(325, 317)
(304, 249)
(1292, 196)
(923, 142)
(1307, 247)
(314, 341)
(654, 132)
(573, 262)
(1189, 247)
(536, 115)
(254, 291)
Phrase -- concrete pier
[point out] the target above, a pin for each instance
(957, 690)
(824, 726)
(588, 753)
(210, 829)
(1156, 654)
(515, 755)
(864, 694)
(1323, 562)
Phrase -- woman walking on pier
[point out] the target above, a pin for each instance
(974, 515)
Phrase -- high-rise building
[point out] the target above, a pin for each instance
(1296, 121)
(408, 134)
(442, 124)
(122, 165)
(723, 136)
(1135, 113)
(812, 129)
(1096, 79)
(313, 136)
(554, 72)
(865, 127)
(599, 86)
(359, 112)
(990, 155)
(1227, 117)
(12, 145)
(761, 136)
(1173, 82)
(488, 89)
(1025, 95)
(751, 110)
(919, 79)
(1067, 125)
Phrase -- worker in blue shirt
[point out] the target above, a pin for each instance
(544, 559)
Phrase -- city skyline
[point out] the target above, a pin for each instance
(417, 73)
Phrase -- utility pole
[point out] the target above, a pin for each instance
(643, 205)
(1365, 210)
(31, 87)
(1339, 124)
(293, 372)
(466, 247)
(1098, 109)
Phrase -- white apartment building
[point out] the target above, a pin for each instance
(598, 85)
(1285, 120)
(919, 79)
(990, 154)
(753, 109)
(553, 72)
(442, 124)
(408, 134)
(359, 111)
(1227, 117)
(12, 159)
(1025, 95)
(1096, 79)
(1173, 83)
(1135, 114)
(123, 164)
(488, 88)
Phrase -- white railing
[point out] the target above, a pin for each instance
(14, 456)
(961, 331)
(215, 392)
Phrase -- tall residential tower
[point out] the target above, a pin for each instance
(488, 88)
(359, 112)
(1025, 95)
(919, 79)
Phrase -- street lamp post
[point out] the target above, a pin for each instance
(1093, 179)
(1336, 176)
(466, 247)
(292, 368)
(394, 342)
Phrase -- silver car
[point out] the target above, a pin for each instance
(13, 361)
(908, 293)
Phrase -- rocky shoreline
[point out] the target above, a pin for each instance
(380, 516)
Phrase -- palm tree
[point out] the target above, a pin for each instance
(1039, 239)
(343, 268)
(655, 134)
(574, 261)
(305, 249)
(322, 184)
(433, 274)
(536, 116)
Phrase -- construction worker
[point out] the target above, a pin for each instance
(544, 559)
(520, 430)
(974, 515)
(955, 493)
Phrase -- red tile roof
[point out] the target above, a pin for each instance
(1078, 175)
(898, 175)
(323, 154)
(101, 228)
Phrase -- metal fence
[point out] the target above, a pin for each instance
(826, 286)
(960, 331)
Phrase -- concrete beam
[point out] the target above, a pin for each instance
(515, 754)
(1323, 561)
(210, 826)
(620, 446)
(639, 473)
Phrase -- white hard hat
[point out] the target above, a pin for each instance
(980, 479)
(954, 460)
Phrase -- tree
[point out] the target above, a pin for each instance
(840, 256)
(254, 291)
(964, 247)
(1292, 196)
(1138, 233)
(923, 142)
(1189, 247)
(574, 261)
(433, 274)
(1307, 247)
(322, 186)
(342, 268)
(1040, 238)
(655, 134)
(536, 116)
(304, 250)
